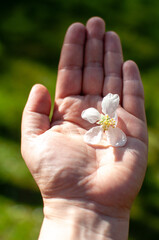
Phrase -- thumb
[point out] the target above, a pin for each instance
(35, 119)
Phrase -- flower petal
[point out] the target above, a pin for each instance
(116, 137)
(94, 135)
(110, 103)
(91, 115)
(115, 116)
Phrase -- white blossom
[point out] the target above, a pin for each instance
(107, 122)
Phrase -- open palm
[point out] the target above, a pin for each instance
(63, 165)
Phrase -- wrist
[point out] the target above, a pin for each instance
(65, 219)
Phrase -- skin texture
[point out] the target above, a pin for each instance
(62, 164)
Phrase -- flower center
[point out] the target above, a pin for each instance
(106, 122)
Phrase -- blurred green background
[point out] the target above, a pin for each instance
(31, 35)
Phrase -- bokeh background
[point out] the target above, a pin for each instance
(31, 35)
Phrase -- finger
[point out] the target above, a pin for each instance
(132, 126)
(35, 120)
(113, 60)
(93, 68)
(69, 78)
(133, 92)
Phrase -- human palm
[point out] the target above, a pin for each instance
(63, 165)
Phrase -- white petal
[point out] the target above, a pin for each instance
(91, 115)
(115, 116)
(116, 137)
(110, 103)
(94, 135)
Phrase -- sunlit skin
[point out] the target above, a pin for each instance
(62, 164)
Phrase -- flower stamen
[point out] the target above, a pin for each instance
(106, 122)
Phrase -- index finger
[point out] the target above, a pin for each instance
(69, 80)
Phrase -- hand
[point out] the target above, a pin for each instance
(65, 168)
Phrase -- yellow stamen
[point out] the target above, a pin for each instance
(106, 122)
